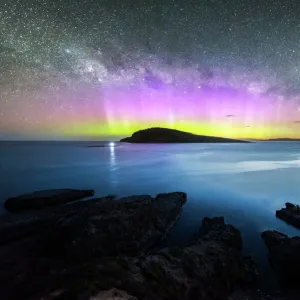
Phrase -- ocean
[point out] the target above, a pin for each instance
(245, 183)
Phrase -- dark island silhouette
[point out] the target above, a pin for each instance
(166, 135)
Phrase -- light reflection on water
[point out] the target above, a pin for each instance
(113, 165)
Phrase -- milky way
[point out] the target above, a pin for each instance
(101, 69)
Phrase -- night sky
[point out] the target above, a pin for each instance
(102, 69)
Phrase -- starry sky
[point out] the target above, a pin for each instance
(87, 69)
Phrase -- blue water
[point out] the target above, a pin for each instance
(246, 183)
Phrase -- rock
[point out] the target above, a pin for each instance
(290, 205)
(113, 294)
(284, 254)
(84, 249)
(166, 135)
(256, 294)
(57, 238)
(290, 214)
(42, 199)
(222, 232)
(207, 269)
(128, 226)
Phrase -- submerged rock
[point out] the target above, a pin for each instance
(45, 198)
(285, 255)
(290, 214)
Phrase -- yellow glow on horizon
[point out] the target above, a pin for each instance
(126, 128)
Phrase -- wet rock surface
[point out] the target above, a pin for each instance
(290, 214)
(42, 199)
(284, 253)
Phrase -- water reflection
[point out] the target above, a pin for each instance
(113, 165)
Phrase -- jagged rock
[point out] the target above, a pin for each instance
(126, 226)
(76, 251)
(284, 254)
(207, 269)
(83, 231)
(98, 227)
(290, 214)
(42, 199)
(222, 232)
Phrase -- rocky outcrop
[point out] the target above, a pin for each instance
(35, 244)
(98, 227)
(42, 199)
(211, 267)
(290, 214)
(166, 135)
(285, 255)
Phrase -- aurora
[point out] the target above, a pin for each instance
(83, 80)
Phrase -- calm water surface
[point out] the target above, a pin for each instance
(246, 183)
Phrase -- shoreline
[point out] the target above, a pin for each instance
(91, 207)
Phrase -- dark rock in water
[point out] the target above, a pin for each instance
(42, 199)
(226, 233)
(290, 214)
(285, 255)
(166, 135)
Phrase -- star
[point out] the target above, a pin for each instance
(101, 64)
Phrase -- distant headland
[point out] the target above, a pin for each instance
(166, 135)
(282, 140)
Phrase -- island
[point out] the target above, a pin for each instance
(165, 135)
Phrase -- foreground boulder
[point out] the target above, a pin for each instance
(42, 199)
(285, 255)
(290, 214)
